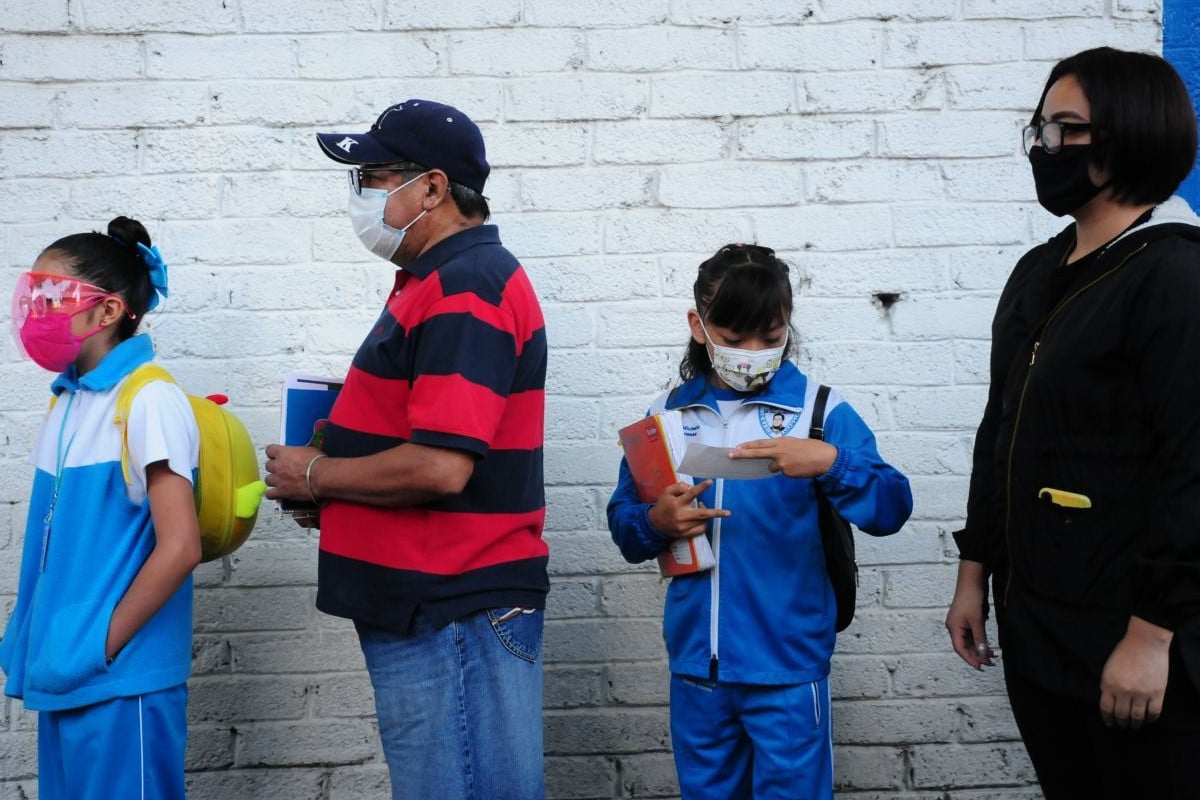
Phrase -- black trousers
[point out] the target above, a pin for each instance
(1076, 756)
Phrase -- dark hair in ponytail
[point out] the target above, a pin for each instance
(114, 263)
(743, 287)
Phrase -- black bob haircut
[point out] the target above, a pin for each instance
(1143, 123)
(743, 287)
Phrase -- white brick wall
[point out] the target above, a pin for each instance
(873, 143)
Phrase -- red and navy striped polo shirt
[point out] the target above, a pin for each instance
(457, 359)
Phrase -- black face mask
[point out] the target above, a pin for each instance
(1062, 179)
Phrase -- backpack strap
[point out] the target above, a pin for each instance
(817, 429)
(142, 375)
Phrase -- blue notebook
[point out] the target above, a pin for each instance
(307, 401)
(304, 412)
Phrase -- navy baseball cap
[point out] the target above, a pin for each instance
(422, 131)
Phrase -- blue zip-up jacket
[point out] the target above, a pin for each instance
(765, 614)
(75, 570)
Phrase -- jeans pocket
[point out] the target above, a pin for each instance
(519, 630)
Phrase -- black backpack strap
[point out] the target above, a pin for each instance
(817, 429)
(837, 540)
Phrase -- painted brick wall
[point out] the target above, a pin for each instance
(1181, 46)
(875, 144)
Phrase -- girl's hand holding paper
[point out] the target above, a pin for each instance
(796, 458)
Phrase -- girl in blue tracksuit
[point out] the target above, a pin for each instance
(99, 641)
(750, 641)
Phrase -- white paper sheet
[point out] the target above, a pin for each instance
(704, 461)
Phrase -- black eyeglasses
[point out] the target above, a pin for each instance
(356, 174)
(1051, 134)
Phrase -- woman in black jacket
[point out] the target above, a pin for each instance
(1084, 505)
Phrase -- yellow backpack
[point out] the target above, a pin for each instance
(228, 489)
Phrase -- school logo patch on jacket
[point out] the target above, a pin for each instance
(776, 423)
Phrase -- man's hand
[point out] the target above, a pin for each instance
(285, 472)
(796, 458)
(1134, 679)
(674, 514)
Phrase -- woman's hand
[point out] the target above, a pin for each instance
(674, 515)
(965, 621)
(1134, 679)
(796, 458)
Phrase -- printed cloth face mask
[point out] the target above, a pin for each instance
(366, 217)
(745, 370)
(42, 309)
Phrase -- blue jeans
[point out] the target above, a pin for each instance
(460, 707)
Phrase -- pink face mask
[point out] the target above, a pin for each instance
(49, 342)
(42, 309)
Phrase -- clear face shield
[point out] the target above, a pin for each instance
(40, 295)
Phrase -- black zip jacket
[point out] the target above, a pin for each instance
(1095, 390)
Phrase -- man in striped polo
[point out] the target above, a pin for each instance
(429, 477)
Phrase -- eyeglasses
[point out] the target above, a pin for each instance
(1051, 134)
(356, 174)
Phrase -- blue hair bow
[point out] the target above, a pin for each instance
(158, 273)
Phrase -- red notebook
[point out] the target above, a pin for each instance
(654, 445)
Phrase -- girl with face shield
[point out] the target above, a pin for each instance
(99, 641)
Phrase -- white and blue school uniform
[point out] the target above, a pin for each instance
(87, 535)
(750, 641)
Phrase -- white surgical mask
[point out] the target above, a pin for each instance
(366, 216)
(745, 370)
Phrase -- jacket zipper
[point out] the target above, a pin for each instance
(714, 614)
(1012, 441)
(715, 574)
